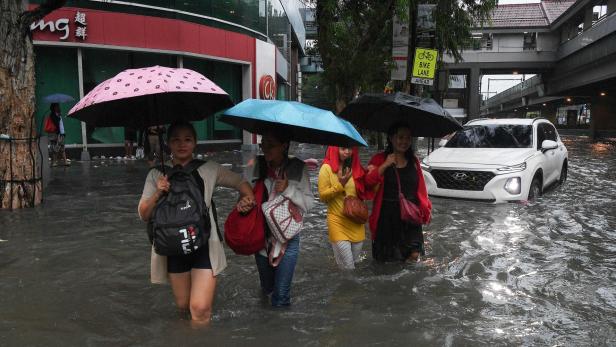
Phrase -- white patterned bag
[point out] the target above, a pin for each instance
(139, 154)
(283, 217)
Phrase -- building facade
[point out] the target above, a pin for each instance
(236, 44)
(570, 45)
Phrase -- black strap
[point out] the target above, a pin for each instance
(265, 197)
(193, 166)
(398, 179)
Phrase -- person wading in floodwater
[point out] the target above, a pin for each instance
(193, 276)
(392, 238)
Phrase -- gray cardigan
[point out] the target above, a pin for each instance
(299, 190)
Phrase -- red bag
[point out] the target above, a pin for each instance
(245, 234)
(409, 212)
(49, 126)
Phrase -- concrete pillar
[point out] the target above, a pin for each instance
(85, 155)
(587, 18)
(474, 97)
(44, 148)
(611, 7)
(603, 115)
(248, 140)
(564, 33)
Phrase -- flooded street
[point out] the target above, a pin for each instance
(75, 271)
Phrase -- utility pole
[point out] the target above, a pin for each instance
(408, 86)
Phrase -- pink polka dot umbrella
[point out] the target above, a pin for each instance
(151, 96)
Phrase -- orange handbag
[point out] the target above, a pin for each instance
(355, 209)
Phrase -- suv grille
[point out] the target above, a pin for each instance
(461, 180)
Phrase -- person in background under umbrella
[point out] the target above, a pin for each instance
(342, 175)
(141, 143)
(193, 277)
(393, 239)
(130, 136)
(154, 143)
(289, 177)
(56, 140)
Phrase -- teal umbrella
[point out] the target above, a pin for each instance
(303, 123)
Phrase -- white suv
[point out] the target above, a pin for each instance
(497, 160)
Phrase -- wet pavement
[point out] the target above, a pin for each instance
(75, 271)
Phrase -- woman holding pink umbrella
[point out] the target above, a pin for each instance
(155, 96)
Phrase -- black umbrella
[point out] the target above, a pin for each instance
(378, 112)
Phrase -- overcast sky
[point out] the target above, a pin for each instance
(503, 2)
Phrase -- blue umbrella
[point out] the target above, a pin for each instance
(58, 98)
(301, 122)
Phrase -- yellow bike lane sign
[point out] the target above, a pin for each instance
(424, 66)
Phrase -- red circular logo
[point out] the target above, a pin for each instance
(267, 88)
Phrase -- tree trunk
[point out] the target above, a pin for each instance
(20, 181)
(340, 104)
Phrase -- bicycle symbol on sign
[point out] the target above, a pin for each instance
(426, 55)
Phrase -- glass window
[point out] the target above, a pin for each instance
(530, 41)
(279, 27)
(227, 76)
(599, 12)
(561, 117)
(100, 65)
(457, 81)
(492, 136)
(248, 13)
(487, 41)
(550, 132)
(62, 78)
(584, 115)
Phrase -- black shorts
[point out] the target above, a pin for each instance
(184, 263)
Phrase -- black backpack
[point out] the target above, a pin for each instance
(180, 222)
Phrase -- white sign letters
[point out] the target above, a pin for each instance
(62, 25)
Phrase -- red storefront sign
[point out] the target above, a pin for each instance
(267, 88)
(130, 30)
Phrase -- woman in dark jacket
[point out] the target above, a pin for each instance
(392, 238)
(56, 140)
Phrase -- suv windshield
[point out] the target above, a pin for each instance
(493, 136)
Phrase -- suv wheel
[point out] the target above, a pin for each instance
(535, 189)
(563, 174)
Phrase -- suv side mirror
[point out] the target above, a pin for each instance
(547, 145)
(442, 142)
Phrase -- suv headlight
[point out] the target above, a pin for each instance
(511, 169)
(425, 165)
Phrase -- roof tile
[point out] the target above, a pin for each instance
(528, 15)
